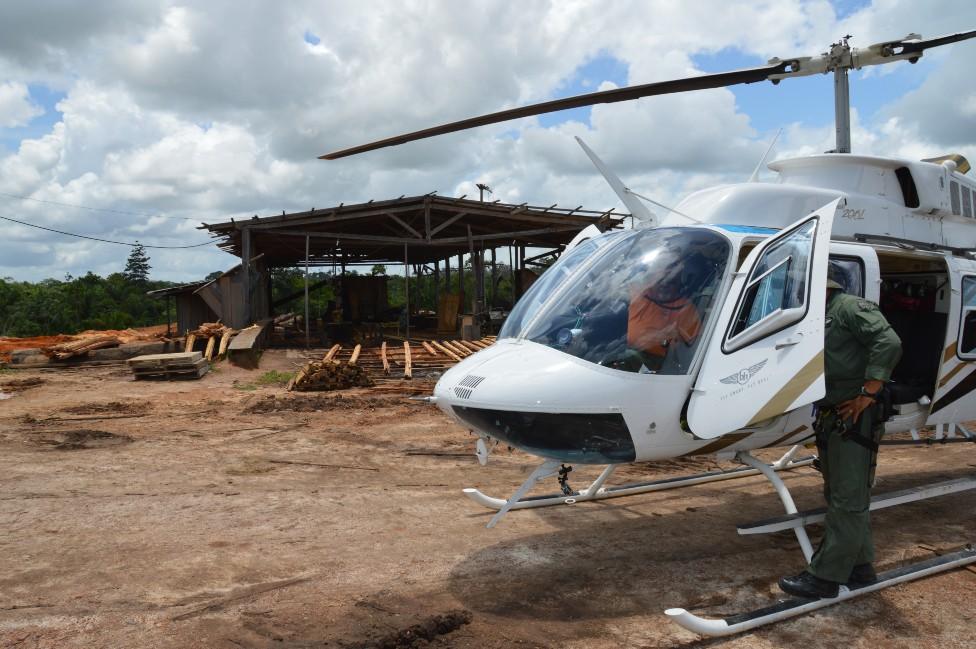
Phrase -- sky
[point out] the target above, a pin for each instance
(138, 120)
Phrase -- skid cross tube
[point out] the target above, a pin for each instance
(598, 491)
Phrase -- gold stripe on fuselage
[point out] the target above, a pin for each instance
(949, 352)
(718, 444)
(955, 370)
(791, 390)
(785, 437)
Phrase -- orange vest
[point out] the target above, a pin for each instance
(653, 327)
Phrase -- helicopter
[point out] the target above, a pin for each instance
(569, 381)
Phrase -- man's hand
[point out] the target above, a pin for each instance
(852, 409)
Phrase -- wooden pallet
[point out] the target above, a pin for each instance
(167, 367)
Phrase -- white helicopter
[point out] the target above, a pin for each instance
(569, 379)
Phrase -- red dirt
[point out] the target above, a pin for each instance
(227, 513)
(8, 345)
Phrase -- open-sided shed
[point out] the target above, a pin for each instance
(418, 231)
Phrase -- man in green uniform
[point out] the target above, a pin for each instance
(860, 351)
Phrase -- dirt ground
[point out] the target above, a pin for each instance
(223, 513)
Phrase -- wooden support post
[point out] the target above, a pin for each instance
(246, 254)
(511, 268)
(406, 285)
(437, 285)
(494, 279)
(190, 339)
(386, 361)
(407, 364)
(460, 274)
(355, 354)
(447, 274)
(306, 293)
(211, 342)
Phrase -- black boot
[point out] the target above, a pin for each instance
(862, 575)
(808, 586)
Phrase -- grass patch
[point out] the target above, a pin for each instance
(274, 377)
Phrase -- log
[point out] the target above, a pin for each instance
(458, 349)
(355, 354)
(430, 350)
(407, 364)
(190, 339)
(445, 350)
(332, 352)
(211, 343)
(386, 361)
(224, 341)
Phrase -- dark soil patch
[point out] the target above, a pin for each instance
(17, 385)
(314, 403)
(114, 407)
(419, 635)
(73, 440)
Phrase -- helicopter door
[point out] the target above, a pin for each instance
(955, 395)
(765, 356)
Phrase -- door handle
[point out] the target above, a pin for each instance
(789, 342)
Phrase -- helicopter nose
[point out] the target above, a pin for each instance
(540, 400)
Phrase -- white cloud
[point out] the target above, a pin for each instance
(208, 111)
(16, 107)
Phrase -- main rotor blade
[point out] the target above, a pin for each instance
(910, 47)
(703, 82)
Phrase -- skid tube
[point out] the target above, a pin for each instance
(596, 490)
(799, 606)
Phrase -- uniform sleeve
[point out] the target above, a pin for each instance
(873, 332)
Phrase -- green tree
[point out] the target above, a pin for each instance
(137, 265)
(378, 269)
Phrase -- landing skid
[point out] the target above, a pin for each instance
(797, 521)
(793, 607)
(596, 490)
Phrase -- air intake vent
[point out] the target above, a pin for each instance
(466, 386)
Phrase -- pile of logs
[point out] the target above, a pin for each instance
(81, 347)
(212, 332)
(328, 374)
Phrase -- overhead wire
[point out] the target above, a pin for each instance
(85, 236)
(95, 209)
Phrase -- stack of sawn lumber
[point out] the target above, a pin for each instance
(167, 367)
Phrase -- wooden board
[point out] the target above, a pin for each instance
(158, 360)
(447, 312)
(169, 374)
(248, 338)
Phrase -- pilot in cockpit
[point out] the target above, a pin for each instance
(663, 322)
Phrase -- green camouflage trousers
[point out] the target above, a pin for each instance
(848, 473)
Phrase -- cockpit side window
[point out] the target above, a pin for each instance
(777, 286)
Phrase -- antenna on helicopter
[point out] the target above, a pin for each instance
(755, 173)
(636, 208)
(838, 60)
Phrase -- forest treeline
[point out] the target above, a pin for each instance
(119, 301)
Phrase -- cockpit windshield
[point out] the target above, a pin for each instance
(551, 280)
(641, 306)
